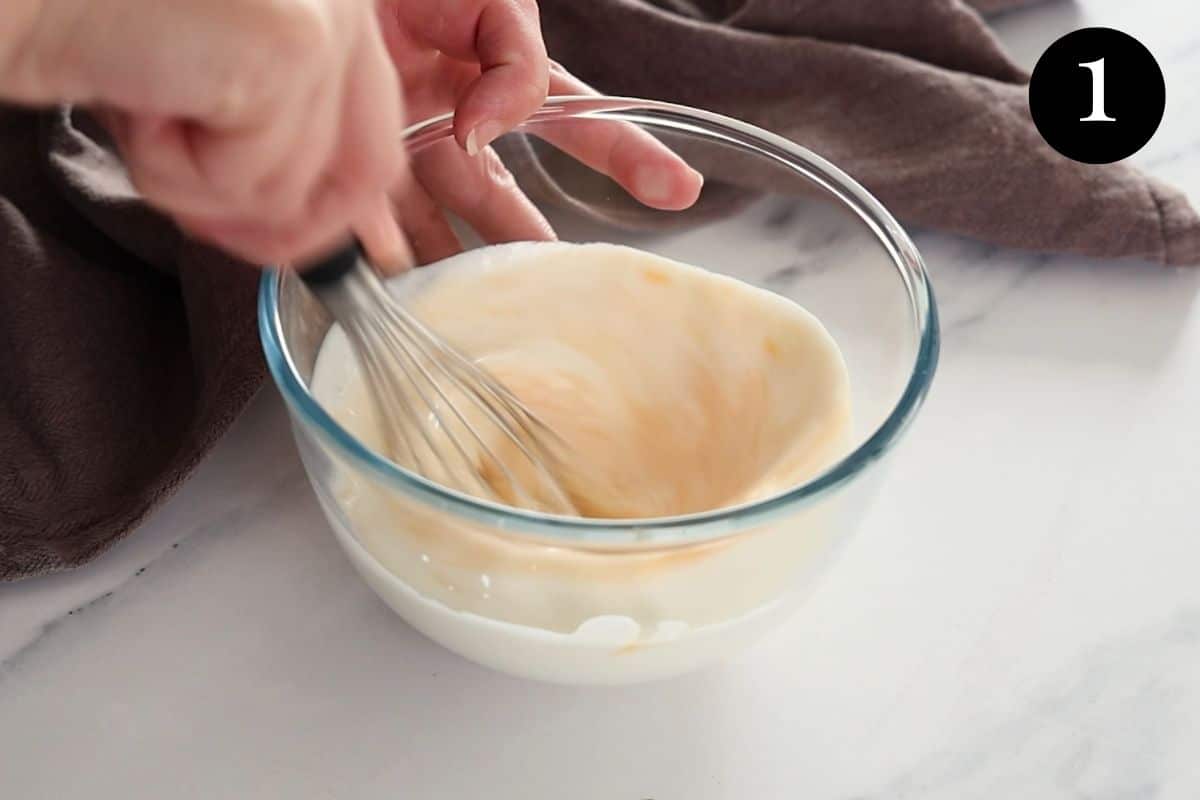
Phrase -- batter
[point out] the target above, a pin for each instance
(677, 391)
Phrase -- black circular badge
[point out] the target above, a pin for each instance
(1097, 95)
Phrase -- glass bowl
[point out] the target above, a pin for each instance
(618, 601)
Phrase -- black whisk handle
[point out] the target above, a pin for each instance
(333, 267)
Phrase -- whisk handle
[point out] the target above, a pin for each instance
(333, 267)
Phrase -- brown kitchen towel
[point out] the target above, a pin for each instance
(914, 98)
(126, 351)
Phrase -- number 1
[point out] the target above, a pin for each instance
(1097, 115)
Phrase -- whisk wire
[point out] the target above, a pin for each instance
(401, 337)
(402, 360)
(382, 385)
(520, 413)
(480, 377)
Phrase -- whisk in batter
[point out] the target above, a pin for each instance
(673, 390)
(444, 417)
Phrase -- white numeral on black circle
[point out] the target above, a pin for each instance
(1097, 115)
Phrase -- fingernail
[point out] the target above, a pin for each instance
(481, 136)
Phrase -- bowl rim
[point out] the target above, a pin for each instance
(686, 527)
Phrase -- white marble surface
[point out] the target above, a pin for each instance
(1019, 617)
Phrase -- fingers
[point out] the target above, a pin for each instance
(641, 164)
(308, 148)
(270, 128)
(482, 192)
(288, 187)
(237, 163)
(425, 224)
(381, 237)
(370, 153)
(370, 161)
(503, 37)
(279, 193)
(158, 156)
(267, 244)
(514, 74)
(238, 117)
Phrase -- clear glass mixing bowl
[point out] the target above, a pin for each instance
(616, 601)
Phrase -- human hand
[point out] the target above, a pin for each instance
(273, 127)
(485, 61)
(268, 127)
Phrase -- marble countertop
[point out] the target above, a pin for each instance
(1018, 618)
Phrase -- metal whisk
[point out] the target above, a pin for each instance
(444, 416)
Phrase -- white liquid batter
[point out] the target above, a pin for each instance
(678, 391)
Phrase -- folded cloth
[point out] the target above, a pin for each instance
(914, 98)
(127, 350)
